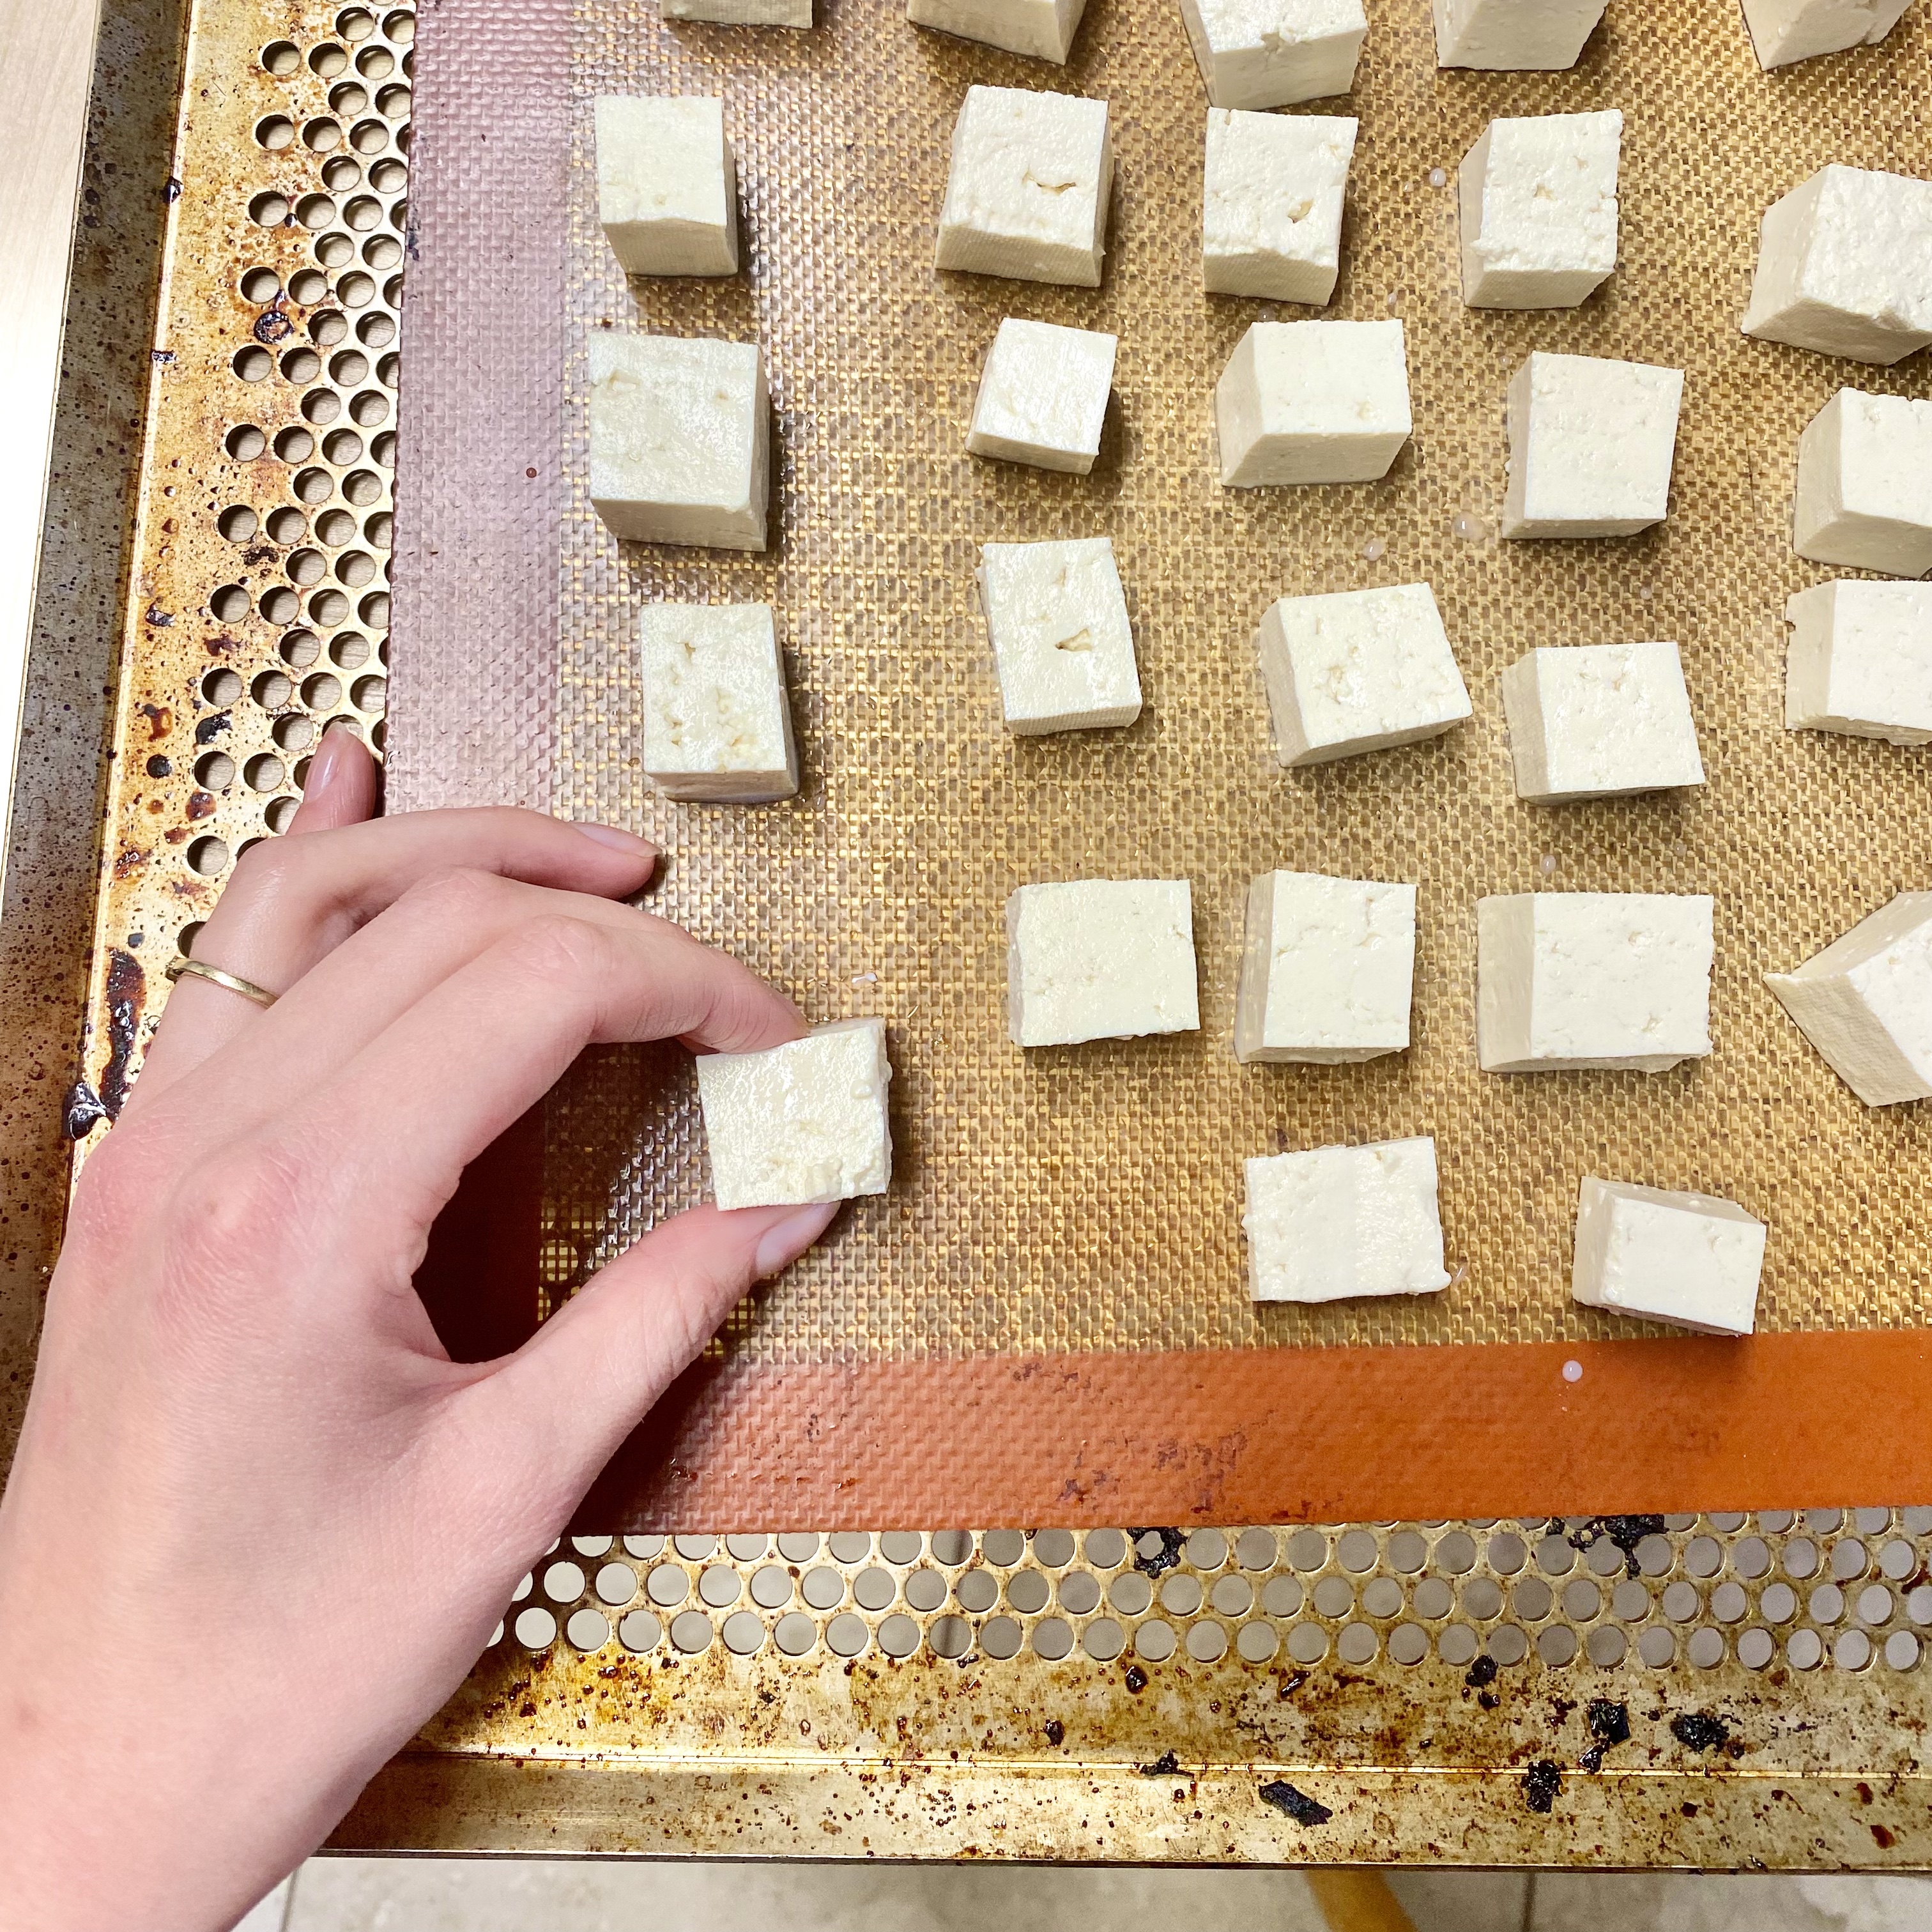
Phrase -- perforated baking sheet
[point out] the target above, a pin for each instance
(1080, 1207)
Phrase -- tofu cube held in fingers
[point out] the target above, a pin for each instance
(1061, 640)
(1100, 959)
(801, 1123)
(1600, 720)
(1538, 200)
(1865, 1002)
(1863, 496)
(680, 439)
(1591, 443)
(717, 725)
(1513, 35)
(1358, 671)
(1337, 1222)
(1844, 266)
(1327, 971)
(1043, 29)
(1027, 192)
(1784, 31)
(1570, 980)
(1312, 402)
(1043, 396)
(1271, 53)
(1271, 210)
(1861, 660)
(666, 185)
(1693, 1259)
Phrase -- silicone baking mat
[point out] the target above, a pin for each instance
(1046, 1318)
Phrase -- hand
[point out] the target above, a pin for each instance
(305, 1518)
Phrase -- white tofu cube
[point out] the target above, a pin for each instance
(666, 185)
(1844, 266)
(1693, 1259)
(1863, 496)
(1268, 53)
(1584, 980)
(1327, 969)
(799, 1122)
(1026, 194)
(1861, 660)
(1784, 31)
(1061, 640)
(1513, 35)
(1538, 200)
(680, 439)
(1271, 213)
(1865, 1002)
(1044, 29)
(1312, 402)
(717, 725)
(1100, 959)
(740, 12)
(1358, 671)
(1600, 720)
(1592, 442)
(1341, 1221)
(1043, 396)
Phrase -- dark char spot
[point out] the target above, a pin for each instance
(1136, 1679)
(1699, 1731)
(1293, 1804)
(1056, 1732)
(1609, 1724)
(1625, 1531)
(1172, 1542)
(1165, 1765)
(1541, 1783)
(1481, 1672)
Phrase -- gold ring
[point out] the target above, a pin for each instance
(247, 988)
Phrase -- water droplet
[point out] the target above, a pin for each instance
(1465, 526)
(1395, 301)
(1644, 593)
(1439, 177)
(1546, 865)
(1374, 550)
(1572, 1371)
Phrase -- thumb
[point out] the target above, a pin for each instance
(572, 1392)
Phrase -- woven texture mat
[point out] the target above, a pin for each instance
(1089, 1199)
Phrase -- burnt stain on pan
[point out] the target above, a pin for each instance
(1172, 1542)
(1626, 1532)
(1542, 1784)
(1293, 1804)
(127, 994)
(1700, 1731)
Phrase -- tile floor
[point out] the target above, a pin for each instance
(533, 1895)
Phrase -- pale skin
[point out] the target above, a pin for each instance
(306, 1518)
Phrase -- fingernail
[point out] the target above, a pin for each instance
(783, 1244)
(326, 762)
(629, 843)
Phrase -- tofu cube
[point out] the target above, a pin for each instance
(1592, 442)
(1358, 671)
(1784, 31)
(1861, 660)
(717, 725)
(666, 185)
(1865, 1002)
(1689, 1258)
(1538, 198)
(1592, 979)
(1513, 35)
(1100, 959)
(1312, 402)
(1268, 53)
(1271, 213)
(1844, 266)
(1327, 971)
(1043, 29)
(1061, 641)
(799, 1122)
(1341, 1221)
(1043, 396)
(680, 439)
(740, 12)
(1864, 497)
(1600, 720)
(1026, 194)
